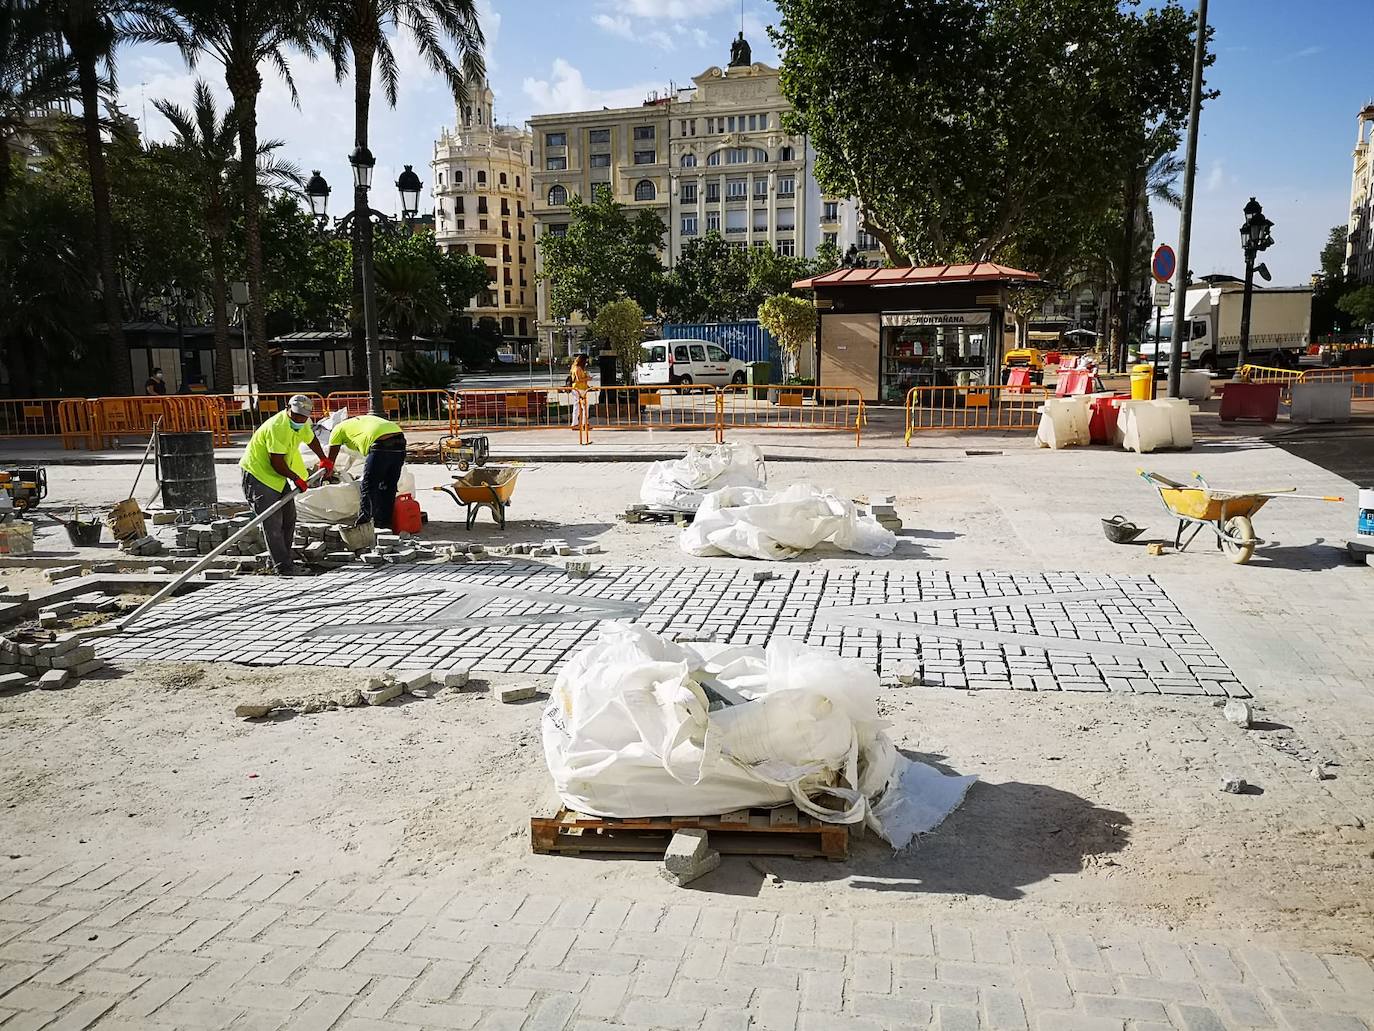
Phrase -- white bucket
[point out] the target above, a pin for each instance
(1367, 498)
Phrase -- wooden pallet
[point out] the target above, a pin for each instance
(645, 514)
(752, 832)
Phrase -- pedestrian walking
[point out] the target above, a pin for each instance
(273, 469)
(156, 384)
(383, 447)
(581, 383)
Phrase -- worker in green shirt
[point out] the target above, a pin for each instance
(272, 468)
(383, 447)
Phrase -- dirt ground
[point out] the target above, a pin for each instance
(1106, 812)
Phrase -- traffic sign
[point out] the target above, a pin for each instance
(1163, 263)
(1162, 292)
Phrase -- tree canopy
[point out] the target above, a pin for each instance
(606, 254)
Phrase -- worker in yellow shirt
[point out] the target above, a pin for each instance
(383, 447)
(272, 467)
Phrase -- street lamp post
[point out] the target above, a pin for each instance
(359, 224)
(238, 293)
(1254, 237)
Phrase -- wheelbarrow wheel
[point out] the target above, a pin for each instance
(1237, 530)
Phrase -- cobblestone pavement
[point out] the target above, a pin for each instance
(1033, 631)
(110, 946)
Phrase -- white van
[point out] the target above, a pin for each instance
(689, 361)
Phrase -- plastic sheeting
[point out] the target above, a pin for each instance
(749, 522)
(681, 483)
(639, 726)
(338, 503)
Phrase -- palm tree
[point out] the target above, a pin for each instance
(357, 28)
(206, 143)
(35, 79)
(241, 35)
(409, 297)
(91, 33)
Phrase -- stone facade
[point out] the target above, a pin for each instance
(482, 193)
(1359, 263)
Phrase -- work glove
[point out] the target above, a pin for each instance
(301, 485)
(327, 464)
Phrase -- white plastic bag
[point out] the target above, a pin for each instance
(681, 483)
(630, 732)
(749, 522)
(335, 503)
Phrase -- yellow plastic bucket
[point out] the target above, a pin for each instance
(1142, 382)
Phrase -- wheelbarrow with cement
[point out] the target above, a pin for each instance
(489, 487)
(1227, 512)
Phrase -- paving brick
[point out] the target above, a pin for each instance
(1127, 1009)
(38, 998)
(651, 1014)
(603, 995)
(433, 1015)
(1199, 1018)
(384, 993)
(342, 948)
(82, 1015)
(197, 1014)
(69, 965)
(1003, 1009)
(1214, 964)
(322, 1014)
(956, 1018)
(490, 995)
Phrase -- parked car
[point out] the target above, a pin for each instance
(670, 362)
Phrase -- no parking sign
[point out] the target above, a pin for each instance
(1162, 265)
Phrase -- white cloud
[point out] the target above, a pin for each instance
(490, 20)
(566, 90)
(1216, 178)
(616, 25)
(682, 10)
(702, 38)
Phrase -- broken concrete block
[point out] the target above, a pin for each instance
(908, 674)
(385, 690)
(688, 857)
(589, 549)
(164, 518)
(88, 667)
(764, 575)
(1238, 712)
(12, 680)
(219, 574)
(61, 573)
(517, 694)
(455, 678)
(60, 645)
(371, 558)
(49, 619)
(53, 679)
(72, 659)
(1232, 784)
(410, 680)
(578, 570)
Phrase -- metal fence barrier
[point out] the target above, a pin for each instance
(1361, 379)
(973, 408)
(793, 408)
(684, 407)
(530, 408)
(411, 409)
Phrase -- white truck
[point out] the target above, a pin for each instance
(1280, 327)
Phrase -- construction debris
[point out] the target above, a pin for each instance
(688, 857)
(522, 693)
(1238, 712)
(1232, 784)
(345, 698)
(22, 661)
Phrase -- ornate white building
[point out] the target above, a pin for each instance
(1359, 261)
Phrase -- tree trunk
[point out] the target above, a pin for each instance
(1130, 199)
(362, 102)
(244, 86)
(117, 354)
(219, 290)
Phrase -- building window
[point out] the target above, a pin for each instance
(736, 221)
(689, 225)
(753, 122)
(713, 158)
(557, 164)
(441, 178)
(558, 196)
(481, 205)
(786, 154)
(555, 139)
(736, 188)
(830, 211)
(787, 186)
(832, 239)
(460, 226)
(760, 187)
(507, 323)
(689, 161)
(503, 178)
(517, 182)
(763, 121)
(644, 132)
(712, 192)
(482, 224)
(481, 178)
(458, 176)
(760, 220)
(730, 124)
(644, 157)
(689, 193)
(736, 156)
(645, 190)
(866, 241)
(599, 160)
(458, 205)
(713, 221)
(787, 248)
(557, 229)
(523, 325)
(599, 136)
(787, 219)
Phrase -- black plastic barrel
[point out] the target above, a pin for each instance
(186, 469)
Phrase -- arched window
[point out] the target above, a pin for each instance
(458, 176)
(786, 154)
(713, 158)
(645, 190)
(689, 161)
(481, 178)
(558, 195)
(503, 178)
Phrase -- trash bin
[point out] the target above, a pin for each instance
(759, 375)
(1142, 382)
(1102, 422)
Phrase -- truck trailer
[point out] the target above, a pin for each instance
(1280, 327)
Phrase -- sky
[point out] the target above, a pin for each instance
(1292, 77)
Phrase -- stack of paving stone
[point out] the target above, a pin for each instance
(393, 549)
(141, 546)
(51, 664)
(883, 511)
(195, 539)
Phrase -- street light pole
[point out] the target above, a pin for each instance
(1254, 237)
(1185, 224)
(239, 293)
(362, 161)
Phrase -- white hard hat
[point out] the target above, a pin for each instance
(300, 405)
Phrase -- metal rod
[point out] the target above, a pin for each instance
(1185, 224)
(1154, 376)
(152, 439)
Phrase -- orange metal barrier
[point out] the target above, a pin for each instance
(76, 420)
(30, 417)
(114, 417)
(793, 407)
(525, 408)
(684, 407)
(973, 408)
(411, 409)
(244, 413)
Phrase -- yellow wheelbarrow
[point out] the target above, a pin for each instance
(488, 487)
(1227, 512)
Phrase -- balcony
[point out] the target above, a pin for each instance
(733, 230)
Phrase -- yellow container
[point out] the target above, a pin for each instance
(1142, 382)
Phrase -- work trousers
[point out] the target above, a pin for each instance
(280, 527)
(377, 491)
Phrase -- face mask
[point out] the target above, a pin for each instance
(158, 377)
(300, 425)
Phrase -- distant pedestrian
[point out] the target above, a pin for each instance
(156, 384)
(581, 383)
(272, 469)
(383, 447)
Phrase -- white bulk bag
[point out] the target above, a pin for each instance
(630, 732)
(681, 483)
(749, 522)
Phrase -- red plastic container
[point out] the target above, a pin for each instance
(405, 514)
(1102, 420)
(1258, 401)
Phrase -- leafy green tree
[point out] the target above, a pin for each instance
(605, 255)
(421, 372)
(410, 299)
(828, 258)
(621, 324)
(1359, 305)
(792, 321)
(712, 281)
(242, 36)
(32, 80)
(1326, 317)
(461, 277)
(306, 275)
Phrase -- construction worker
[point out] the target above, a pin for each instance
(272, 469)
(383, 447)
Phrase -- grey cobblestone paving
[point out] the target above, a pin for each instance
(1032, 631)
(116, 947)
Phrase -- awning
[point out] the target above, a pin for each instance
(982, 271)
